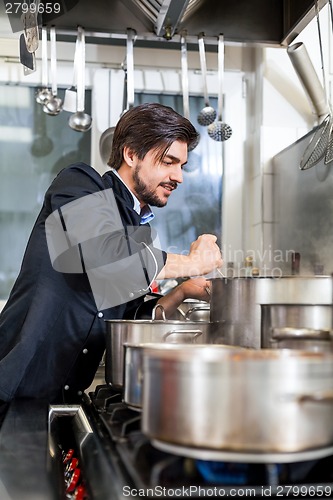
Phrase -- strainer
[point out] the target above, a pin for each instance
(329, 150)
(317, 147)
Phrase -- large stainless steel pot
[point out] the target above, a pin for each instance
(139, 331)
(316, 317)
(235, 302)
(238, 400)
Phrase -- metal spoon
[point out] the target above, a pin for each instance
(220, 131)
(80, 121)
(44, 94)
(54, 105)
(208, 114)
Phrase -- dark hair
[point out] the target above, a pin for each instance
(150, 126)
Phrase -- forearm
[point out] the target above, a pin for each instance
(170, 302)
(193, 288)
(177, 266)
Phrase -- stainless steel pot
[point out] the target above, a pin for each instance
(316, 317)
(133, 371)
(238, 400)
(235, 303)
(194, 310)
(119, 332)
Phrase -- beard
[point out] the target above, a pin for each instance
(145, 193)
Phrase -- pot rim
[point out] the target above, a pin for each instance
(156, 322)
(237, 354)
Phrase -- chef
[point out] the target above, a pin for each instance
(92, 255)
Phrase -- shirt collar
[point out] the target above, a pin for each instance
(145, 212)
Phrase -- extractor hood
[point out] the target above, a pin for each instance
(267, 22)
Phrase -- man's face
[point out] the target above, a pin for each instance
(153, 181)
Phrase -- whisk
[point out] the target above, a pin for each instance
(218, 130)
(208, 114)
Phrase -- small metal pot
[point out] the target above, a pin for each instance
(266, 400)
(194, 310)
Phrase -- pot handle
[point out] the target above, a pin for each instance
(316, 397)
(195, 333)
(158, 306)
(300, 333)
(194, 309)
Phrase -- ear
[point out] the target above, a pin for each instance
(128, 156)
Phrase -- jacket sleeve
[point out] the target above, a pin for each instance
(86, 235)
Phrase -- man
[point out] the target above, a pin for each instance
(91, 257)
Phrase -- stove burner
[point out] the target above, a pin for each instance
(147, 464)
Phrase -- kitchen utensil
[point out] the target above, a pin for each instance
(44, 94)
(218, 130)
(71, 93)
(236, 306)
(208, 114)
(27, 59)
(289, 317)
(329, 150)
(133, 368)
(53, 105)
(278, 400)
(142, 331)
(306, 339)
(105, 142)
(130, 68)
(186, 99)
(30, 28)
(80, 121)
(317, 147)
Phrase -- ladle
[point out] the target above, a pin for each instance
(208, 114)
(106, 139)
(105, 142)
(186, 101)
(71, 93)
(53, 105)
(44, 94)
(220, 131)
(80, 121)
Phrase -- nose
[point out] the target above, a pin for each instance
(177, 174)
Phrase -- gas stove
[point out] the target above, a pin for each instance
(119, 462)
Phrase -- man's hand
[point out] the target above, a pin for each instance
(204, 257)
